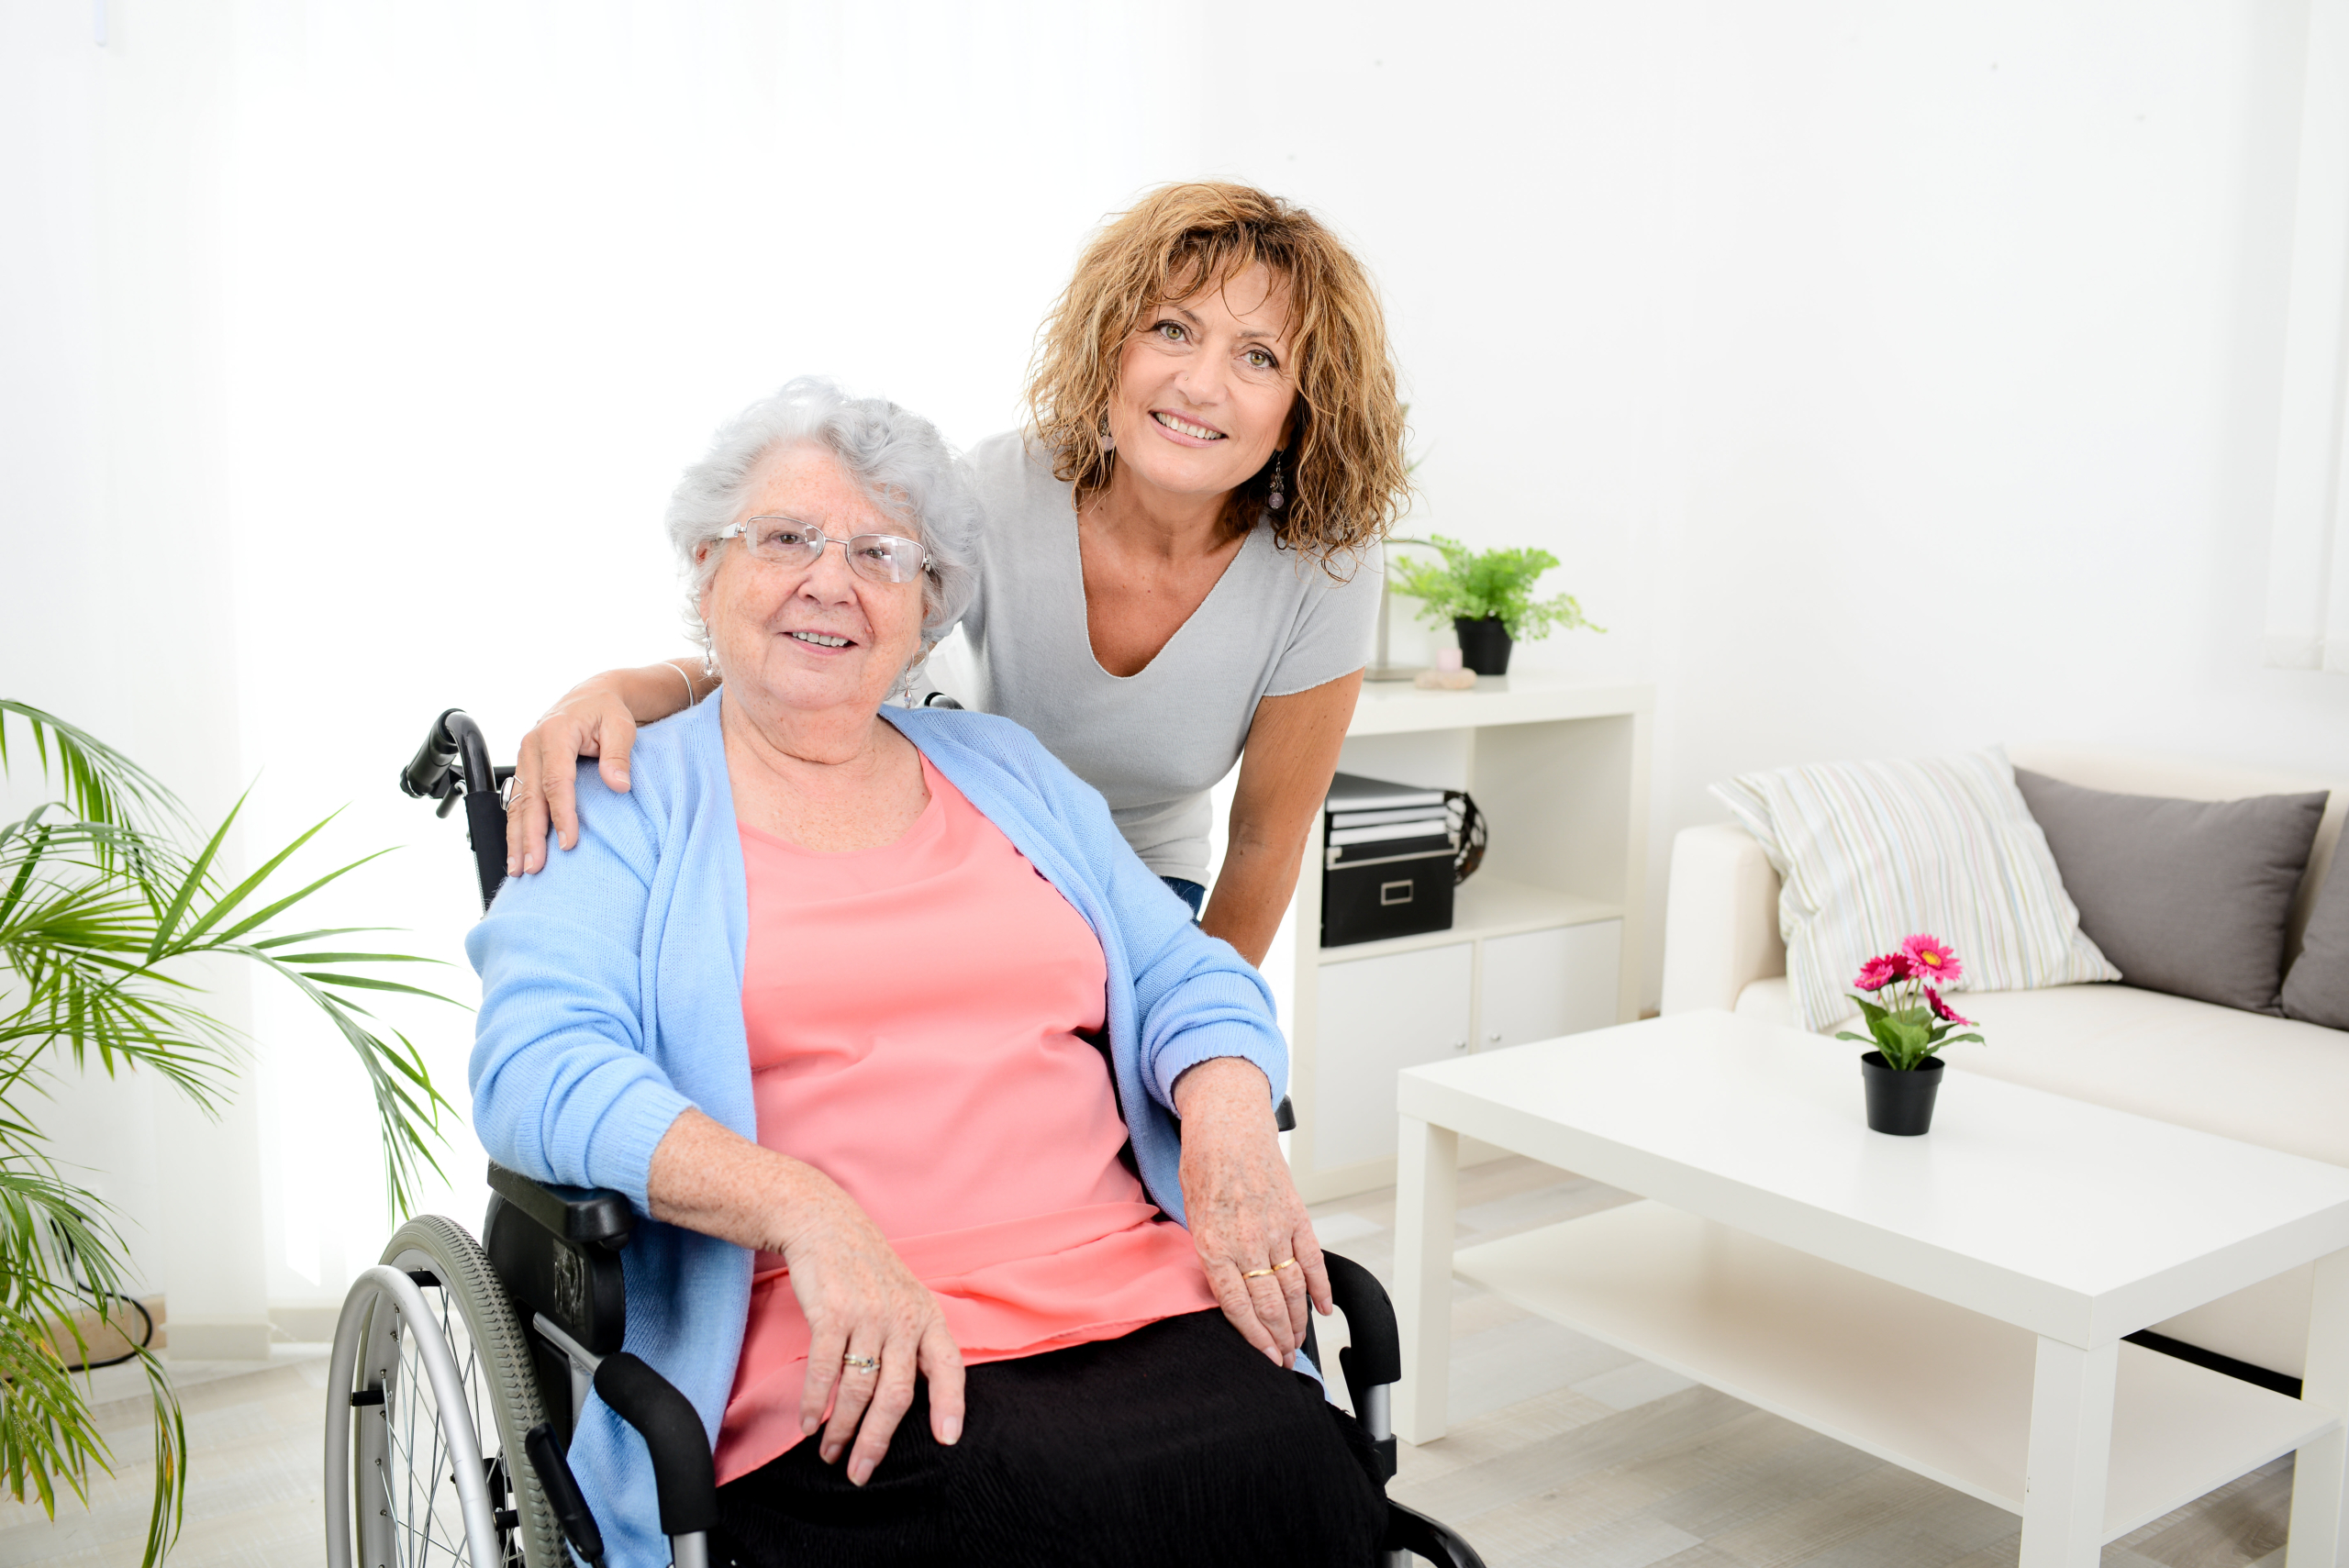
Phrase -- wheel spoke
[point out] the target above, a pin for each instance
(429, 1517)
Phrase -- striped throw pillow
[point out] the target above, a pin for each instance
(1867, 853)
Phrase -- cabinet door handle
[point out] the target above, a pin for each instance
(1494, 1037)
(1459, 1045)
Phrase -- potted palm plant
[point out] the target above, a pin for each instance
(1488, 597)
(109, 901)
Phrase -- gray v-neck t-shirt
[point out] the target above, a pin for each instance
(1154, 743)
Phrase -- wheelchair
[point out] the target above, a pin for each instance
(460, 1367)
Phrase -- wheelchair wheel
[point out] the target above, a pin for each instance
(403, 1489)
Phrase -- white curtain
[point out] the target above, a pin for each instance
(2307, 596)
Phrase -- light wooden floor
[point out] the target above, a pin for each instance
(1563, 1451)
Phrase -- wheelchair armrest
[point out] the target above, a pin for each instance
(1375, 1356)
(683, 1475)
(586, 1216)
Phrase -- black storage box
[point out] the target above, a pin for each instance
(1388, 862)
(1402, 897)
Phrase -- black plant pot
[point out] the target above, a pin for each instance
(1900, 1103)
(1484, 644)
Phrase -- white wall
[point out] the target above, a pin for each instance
(1887, 379)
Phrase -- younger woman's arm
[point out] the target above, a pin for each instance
(1285, 772)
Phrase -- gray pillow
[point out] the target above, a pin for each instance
(2317, 990)
(2187, 896)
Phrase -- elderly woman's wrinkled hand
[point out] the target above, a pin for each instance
(1252, 1234)
(871, 1325)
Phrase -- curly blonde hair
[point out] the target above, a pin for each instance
(1347, 476)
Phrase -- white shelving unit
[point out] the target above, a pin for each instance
(1544, 938)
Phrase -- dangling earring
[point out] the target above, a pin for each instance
(710, 662)
(1276, 500)
(1109, 441)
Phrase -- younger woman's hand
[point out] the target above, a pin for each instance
(1253, 1236)
(598, 718)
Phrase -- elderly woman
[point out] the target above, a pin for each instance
(828, 995)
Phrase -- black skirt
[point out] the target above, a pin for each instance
(1176, 1444)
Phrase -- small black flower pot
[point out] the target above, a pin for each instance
(1484, 644)
(1900, 1103)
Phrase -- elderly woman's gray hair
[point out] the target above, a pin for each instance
(895, 456)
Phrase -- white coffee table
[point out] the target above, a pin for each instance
(1953, 1303)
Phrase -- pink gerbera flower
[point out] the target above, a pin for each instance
(1878, 972)
(1934, 960)
(1943, 1010)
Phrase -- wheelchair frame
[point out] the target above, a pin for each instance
(509, 1335)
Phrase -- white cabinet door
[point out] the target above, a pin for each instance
(1540, 984)
(1379, 1016)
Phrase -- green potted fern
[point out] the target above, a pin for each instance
(1488, 597)
(108, 902)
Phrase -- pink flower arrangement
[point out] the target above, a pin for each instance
(1908, 1020)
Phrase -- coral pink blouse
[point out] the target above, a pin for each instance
(917, 1015)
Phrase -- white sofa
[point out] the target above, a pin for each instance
(2265, 1080)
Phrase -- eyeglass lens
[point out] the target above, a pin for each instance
(881, 558)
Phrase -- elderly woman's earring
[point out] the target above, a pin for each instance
(710, 662)
(1276, 500)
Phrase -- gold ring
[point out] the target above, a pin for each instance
(1282, 1264)
(1253, 1274)
(860, 1364)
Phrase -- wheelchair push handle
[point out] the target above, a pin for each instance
(452, 765)
(453, 754)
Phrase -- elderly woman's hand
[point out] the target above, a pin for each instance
(1250, 1227)
(871, 1325)
(864, 1306)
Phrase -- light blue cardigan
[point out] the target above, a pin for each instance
(612, 1000)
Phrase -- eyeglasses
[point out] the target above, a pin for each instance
(786, 541)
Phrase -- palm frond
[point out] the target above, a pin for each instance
(101, 784)
(57, 1261)
(407, 1103)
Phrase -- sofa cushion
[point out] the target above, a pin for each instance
(2187, 896)
(2317, 990)
(1870, 851)
(2275, 1082)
